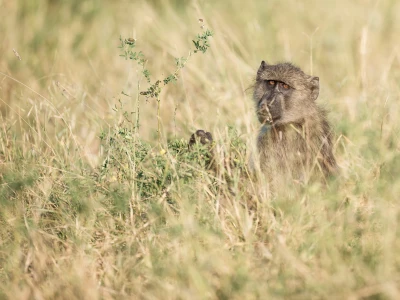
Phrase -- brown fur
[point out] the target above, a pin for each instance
(295, 138)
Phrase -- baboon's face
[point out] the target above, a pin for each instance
(284, 94)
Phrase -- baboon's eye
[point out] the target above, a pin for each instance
(284, 85)
(271, 82)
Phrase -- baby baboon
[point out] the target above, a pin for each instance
(295, 137)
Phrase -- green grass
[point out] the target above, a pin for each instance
(100, 199)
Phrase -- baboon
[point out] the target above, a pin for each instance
(295, 138)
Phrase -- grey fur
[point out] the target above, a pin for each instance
(295, 138)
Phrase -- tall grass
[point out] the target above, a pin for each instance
(99, 197)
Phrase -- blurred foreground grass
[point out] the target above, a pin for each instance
(123, 216)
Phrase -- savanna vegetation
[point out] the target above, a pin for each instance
(100, 197)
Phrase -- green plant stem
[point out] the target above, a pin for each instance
(159, 120)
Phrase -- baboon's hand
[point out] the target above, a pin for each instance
(205, 138)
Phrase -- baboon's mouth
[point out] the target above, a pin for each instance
(273, 120)
(267, 118)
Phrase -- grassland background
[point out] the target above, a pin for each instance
(66, 235)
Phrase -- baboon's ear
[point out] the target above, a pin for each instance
(261, 68)
(263, 65)
(314, 88)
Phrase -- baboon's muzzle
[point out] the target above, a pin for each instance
(270, 108)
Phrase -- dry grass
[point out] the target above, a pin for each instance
(67, 232)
